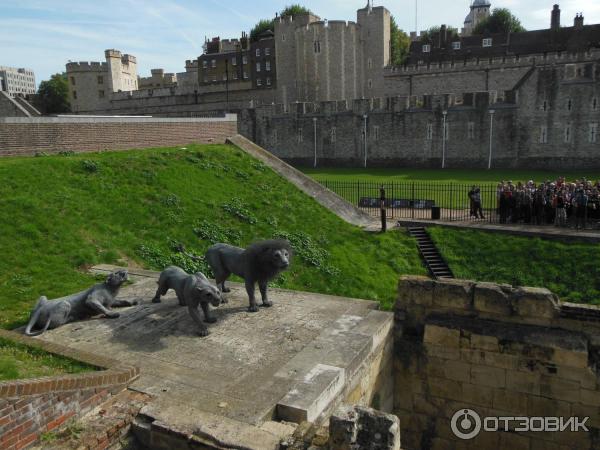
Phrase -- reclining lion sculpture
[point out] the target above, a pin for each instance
(99, 299)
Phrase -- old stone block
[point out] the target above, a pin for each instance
(586, 376)
(593, 412)
(558, 388)
(488, 343)
(514, 441)
(590, 398)
(453, 370)
(414, 290)
(527, 383)
(542, 407)
(536, 303)
(443, 336)
(492, 298)
(440, 351)
(506, 400)
(444, 388)
(477, 395)
(441, 444)
(488, 376)
(570, 358)
(308, 399)
(453, 294)
(360, 427)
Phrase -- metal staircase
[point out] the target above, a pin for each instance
(433, 260)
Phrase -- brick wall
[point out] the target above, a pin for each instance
(26, 136)
(499, 351)
(29, 408)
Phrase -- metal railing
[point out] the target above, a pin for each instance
(450, 202)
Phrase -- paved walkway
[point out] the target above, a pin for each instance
(548, 232)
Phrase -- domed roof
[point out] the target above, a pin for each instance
(477, 3)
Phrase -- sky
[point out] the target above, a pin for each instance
(44, 35)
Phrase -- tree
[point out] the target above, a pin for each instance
(295, 10)
(54, 94)
(430, 34)
(262, 26)
(266, 25)
(400, 44)
(500, 21)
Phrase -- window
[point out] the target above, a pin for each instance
(257, 52)
(283, 37)
(274, 138)
(376, 132)
(332, 135)
(100, 94)
(487, 42)
(224, 77)
(267, 51)
(258, 82)
(75, 95)
(568, 134)
(268, 66)
(471, 130)
(268, 82)
(204, 64)
(370, 63)
(594, 103)
(258, 67)
(244, 59)
(544, 134)
(299, 136)
(456, 45)
(213, 63)
(426, 48)
(234, 61)
(205, 79)
(545, 105)
(370, 84)
(245, 75)
(429, 131)
(214, 78)
(317, 46)
(569, 105)
(593, 137)
(72, 81)
(101, 80)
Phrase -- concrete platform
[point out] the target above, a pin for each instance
(291, 362)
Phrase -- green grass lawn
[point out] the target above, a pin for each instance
(19, 361)
(570, 270)
(479, 176)
(62, 214)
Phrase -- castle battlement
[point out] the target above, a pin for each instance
(505, 62)
(85, 66)
(298, 20)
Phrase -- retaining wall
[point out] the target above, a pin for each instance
(26, 136)
(499, 351)
(31, 407)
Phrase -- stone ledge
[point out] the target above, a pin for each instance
(114, 374)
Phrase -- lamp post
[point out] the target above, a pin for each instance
(491, 137)
(315, 135)
(444, 114)
(365, 117)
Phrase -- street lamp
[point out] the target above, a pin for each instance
(444, 114)
(315, 134)
(365, 117)
(491, 137)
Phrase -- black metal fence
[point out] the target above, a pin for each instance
(451, 202)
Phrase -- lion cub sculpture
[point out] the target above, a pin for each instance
(192, 291)
(259, 263)
(99, 299)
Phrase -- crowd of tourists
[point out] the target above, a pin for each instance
(557, 202)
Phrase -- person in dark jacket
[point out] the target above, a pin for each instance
(475, 197)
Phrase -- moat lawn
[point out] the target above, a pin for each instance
(479, 176)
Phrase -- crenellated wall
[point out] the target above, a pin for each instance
(499, 351)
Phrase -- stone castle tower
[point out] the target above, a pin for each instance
(320, 60)
(480, 10)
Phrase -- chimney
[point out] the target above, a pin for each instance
(555, 21)
(578, 21)
(443, 36)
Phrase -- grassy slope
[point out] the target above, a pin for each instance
(60, 215)
(19, 361)
(570, 270)
(447, 175)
